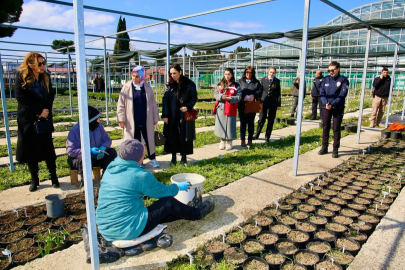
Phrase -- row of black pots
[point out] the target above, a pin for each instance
(395, 135)
(289, 121)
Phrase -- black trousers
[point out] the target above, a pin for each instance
(268, 113)
(77, 163)
(168, 209)
(137, 135)
(327, 115)
(249, 120)
(316, 102)
(34, 169)
(294, 107)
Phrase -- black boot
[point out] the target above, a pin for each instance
(33, 168)
(54, 179)
(184, 160)
(323, 151)
(34, 184)
(335, 153)
(174, 160)
(206, 207)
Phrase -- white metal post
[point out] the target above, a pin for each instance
(5, 118)
(84, 129)
(252, 59)
(363, 85)
(394, 64)
(236, 66)
(109, 78)
(303, 62)
(167, 50)
(156, 80)
(105, 81)
(56, 80)
(348, 90)
(70, 87)
(184, 60)
(189, 67)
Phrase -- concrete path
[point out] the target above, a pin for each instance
(234, 203)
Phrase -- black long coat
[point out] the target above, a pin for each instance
(32, 147)
(179, 134)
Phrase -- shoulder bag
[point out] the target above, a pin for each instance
(253, 106)
(190, 115)
(43, 126)
(159, 138)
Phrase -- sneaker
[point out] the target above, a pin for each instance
(154, 163)
(335, 153)
(323, 151)
(222, 145)
(228, 145)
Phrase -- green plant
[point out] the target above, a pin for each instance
(223, 265)
(51, 240)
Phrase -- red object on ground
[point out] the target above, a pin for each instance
(396, 127)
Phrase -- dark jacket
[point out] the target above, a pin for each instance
(271, 94)
(296, 87)
(382, 86)
(177, 130)
(315, 91)
(32, 147)
(99, 83)
(334, 91)
(252, 88)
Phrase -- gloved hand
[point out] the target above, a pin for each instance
(184, 185)
(94, 150)
(100, 155)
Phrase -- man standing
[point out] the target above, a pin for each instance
(333, 93)
(271, 102)
(316, 101)
(99, 83)
(381, 92)
(295, 93)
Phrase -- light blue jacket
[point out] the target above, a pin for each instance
(121, 213)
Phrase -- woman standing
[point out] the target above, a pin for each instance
(180, 96)
(251, 89)
(34, 94)
(137, 111)
(228, 95)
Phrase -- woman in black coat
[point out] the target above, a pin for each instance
(251, 88)
(180, 96)
(34, 94)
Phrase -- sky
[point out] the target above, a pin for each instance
(275, 16)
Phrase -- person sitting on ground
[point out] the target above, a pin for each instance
(121, 212)
(99, 140)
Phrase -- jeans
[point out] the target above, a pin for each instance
(102, 163)
(327, 115)
(316, 102)
(168, 209)
(294, 107)
(247, 119)
(137, 135)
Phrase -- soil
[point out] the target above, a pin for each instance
(343, 220)
(314, 201)
(9, 227)
(325, 213)
(252, 246)
(35, 220)
(329, 192)
(332, 207)
(350, 191)
(272, 212)
(325, 235)
(299, 195)
(72, 226)
(306, 258)
(297, 236)
(31, 211)
(299, 215)
(383, 207)
(7, 218)
(368, 218)
(251, 229)
(27, 254)
(338, 201)
(318, 247)
(366, 195)
(305, 226)
(80, 215)
(40, 227)
(286, 207)
(318, 220)
(356, 206)
(286, 219)
(83, 222)
(322, 197)
(375, 187)
(61, 221)
(20, 245)
(357, 188)
(280, 228)
(327, 265)
(72, 200)
(235, 237)
(263, 220)
(201, 258)
(306, 207)
(356, 236)
(335, 187)
(4, 263)
(346, 196)
(293, 201)
(381, 199)
(216, 246)
(377, 213)
(349, 245)
(363, 226)
(74, 236)
(341, 258)
(76, 207)
(267, 238)
(286, 247)
(370, 191)
(44, 234)
(292, 266)
(335, 227)
(255, 265)
(359, 184)
(275, 258)
(13, 236)
(235, 255)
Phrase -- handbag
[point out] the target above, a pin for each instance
(253, 106)
(190, 115)
(43, 126)
(159, 138)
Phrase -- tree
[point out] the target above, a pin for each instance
(60, 43)
(121, 46)
(10, 12)
(238, 50)
(258, 45)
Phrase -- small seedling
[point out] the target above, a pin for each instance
(7, 253)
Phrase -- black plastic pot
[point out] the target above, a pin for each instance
(287, 263)
(318, 224)
(70, 219)
(235, 244)
(35, 249)
(274, 266)
(49, 225)
(352, 251)
(385, 134)
(4, 242)
(251, 236)
(70, 242)
(238, 265)
(254, 258)
(361, 242)
(252, 254)
(290, 253)
(280, 235)
(396, 135)
(301, 244)
(321, 265)
(267, 246)
(330, 241)
(308, 266)
(217, 255)
(336, 232)
(311, 232)
(30, 244)
(5, 263)
(320, 254)
(291, 121)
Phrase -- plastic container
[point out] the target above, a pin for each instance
(193, 196)
(55, 205)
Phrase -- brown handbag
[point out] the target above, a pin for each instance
(253, 106)
(190, 115)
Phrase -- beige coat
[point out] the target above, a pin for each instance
(125, 113)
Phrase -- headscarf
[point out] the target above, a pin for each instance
(142, 75)
(94, 114)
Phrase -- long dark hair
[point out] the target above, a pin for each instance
(178, 68)
(251, 69)
(224, 83)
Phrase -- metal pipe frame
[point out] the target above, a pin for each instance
(167, 50)
(105, 82)
(70, 86)
(392, 85)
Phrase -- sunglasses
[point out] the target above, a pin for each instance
(41, 63)
(248, 72)
(331, 70)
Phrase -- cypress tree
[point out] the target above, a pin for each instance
(121, 46)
